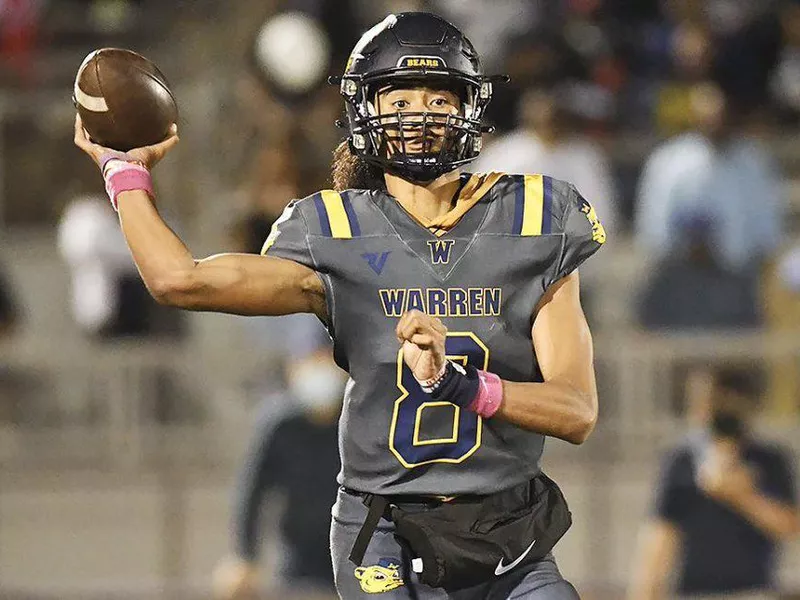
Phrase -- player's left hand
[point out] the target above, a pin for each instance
(422, 337)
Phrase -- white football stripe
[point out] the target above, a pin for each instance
(92, 103)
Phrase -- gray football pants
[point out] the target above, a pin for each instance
(383, 573)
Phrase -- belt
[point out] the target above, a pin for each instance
(409, 498)
(379, 507)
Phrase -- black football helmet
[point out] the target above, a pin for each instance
(415, 49)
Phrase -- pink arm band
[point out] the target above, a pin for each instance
(123, 176)
(490, 395)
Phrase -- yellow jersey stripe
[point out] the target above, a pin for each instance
(337, 216)
(534, 202)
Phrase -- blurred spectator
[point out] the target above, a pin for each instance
(491, 32)
(785, 82)
(19, 24)
(297, 457)
(92, 244)
(539, 58)
(691, 61)
(273, 182)
(747, 39)
(717, 174)
(9, 310)
(291, 54)
(12, 398)
(692, 290)
(724, 502)
(548, 142)
(789, 269)
(108, 297)
(111, 303)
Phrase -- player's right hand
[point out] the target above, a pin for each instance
(149, 156)
(423, 338)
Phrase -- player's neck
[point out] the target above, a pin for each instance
(425, 201)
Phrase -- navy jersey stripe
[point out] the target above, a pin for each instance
(322, 212)
(547, 205)
(355, 230)
(519, 204)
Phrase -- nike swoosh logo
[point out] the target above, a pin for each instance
(500, 569)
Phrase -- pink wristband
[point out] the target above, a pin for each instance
(123, 176)
(490, 395)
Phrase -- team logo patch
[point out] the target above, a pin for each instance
(380, 578)
(598, 231)
(440, 251)
(376, 261)
(421, 62)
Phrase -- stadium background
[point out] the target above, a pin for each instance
(117, 456)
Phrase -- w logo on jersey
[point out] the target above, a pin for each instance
(440, 251)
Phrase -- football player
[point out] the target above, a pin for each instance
(453, 303)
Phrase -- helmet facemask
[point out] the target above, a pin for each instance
(418, 146)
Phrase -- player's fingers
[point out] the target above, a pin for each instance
(80, 135)
(156, 152)
(404, 325)
(422, 340)
(399, 328)
(437, 325)
(169, 143)
(420, 319)
(412, 323)
(405, 329)
(83, 142)
(78, 126)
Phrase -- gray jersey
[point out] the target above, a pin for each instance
(483, 278)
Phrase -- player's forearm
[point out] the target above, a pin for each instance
(160, 255)
(552, 408)
(776, 519)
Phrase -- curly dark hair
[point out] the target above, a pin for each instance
(349, 171)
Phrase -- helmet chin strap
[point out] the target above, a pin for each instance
(422, 174)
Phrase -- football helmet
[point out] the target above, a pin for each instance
(409, 50)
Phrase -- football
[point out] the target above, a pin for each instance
(123, 99)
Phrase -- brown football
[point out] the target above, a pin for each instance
(123, 99)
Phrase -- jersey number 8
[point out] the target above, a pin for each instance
(463, 439)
